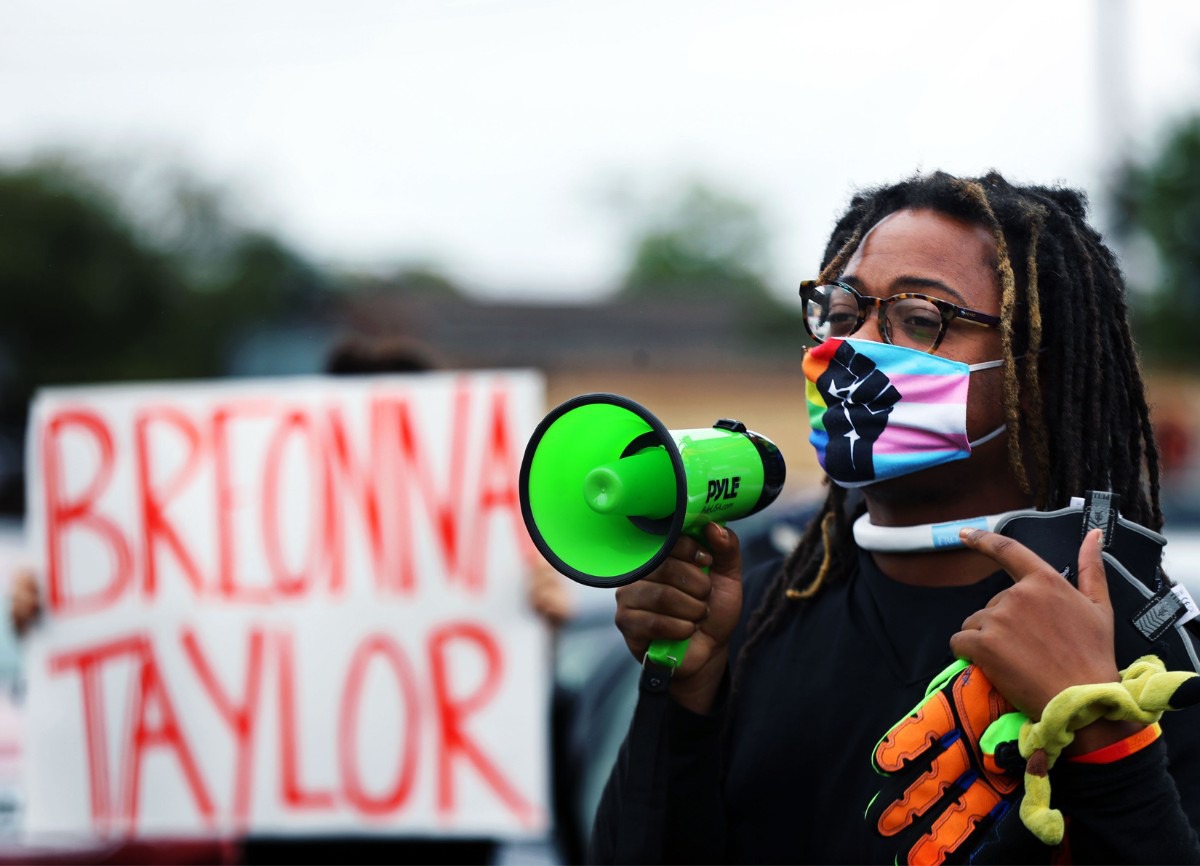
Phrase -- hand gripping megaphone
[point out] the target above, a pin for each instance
(606, 489)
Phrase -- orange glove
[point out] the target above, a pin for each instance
(943, 792)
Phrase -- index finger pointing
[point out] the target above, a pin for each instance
(1011, 555)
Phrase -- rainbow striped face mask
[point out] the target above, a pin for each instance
(880, 411)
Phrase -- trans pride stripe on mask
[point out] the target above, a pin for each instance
(879, 411)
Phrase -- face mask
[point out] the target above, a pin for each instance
(880, 411)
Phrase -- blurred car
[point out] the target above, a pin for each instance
(1181, 517)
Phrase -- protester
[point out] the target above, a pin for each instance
(797, 728)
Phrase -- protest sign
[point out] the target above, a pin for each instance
(292, 606)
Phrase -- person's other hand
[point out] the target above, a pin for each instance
(680, 601)
(549, 595)
(25, 603)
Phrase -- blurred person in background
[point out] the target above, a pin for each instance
(820, 714)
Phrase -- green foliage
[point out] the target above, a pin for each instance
(95, 289)
(702, 246)
(699, 243)
(81, 296)
(1159, 200)
(86, 295)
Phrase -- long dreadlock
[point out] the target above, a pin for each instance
(1078, 396)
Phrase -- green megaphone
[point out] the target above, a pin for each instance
(606, 489)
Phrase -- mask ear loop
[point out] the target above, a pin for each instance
(988, 437)
(986, 365)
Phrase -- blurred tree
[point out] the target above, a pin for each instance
(697, 243)
(1158, 200)
(86, 295)
(82, 296)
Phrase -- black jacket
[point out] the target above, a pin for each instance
(781, 771)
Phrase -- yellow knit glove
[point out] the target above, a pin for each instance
(1142, 695)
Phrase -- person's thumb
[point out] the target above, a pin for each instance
(1093, 581)
(726, 552)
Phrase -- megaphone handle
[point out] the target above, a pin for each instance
(670, 653)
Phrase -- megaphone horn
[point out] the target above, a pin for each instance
(606, 489)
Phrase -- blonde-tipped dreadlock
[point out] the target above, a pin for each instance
(1008, 304)
(1033, 384)
(826, 524)
(1073, 392)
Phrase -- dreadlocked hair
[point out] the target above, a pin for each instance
(1074, 399)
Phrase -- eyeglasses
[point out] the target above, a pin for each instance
(906, 319)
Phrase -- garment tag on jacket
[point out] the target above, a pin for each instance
(1188, 602)
(1162, 611)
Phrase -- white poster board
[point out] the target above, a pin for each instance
(286, 606)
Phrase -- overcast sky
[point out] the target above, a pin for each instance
(484, 135)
